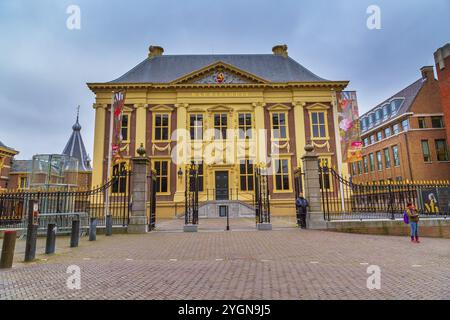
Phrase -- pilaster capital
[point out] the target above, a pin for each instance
(258, 104)
(140, 105)
(182, 105)
(99, 105)
(299, 103)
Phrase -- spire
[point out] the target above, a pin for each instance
(75, 146)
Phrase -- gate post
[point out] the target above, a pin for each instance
(312, 187)
(138, 215)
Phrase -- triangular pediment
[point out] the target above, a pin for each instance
(219, 73)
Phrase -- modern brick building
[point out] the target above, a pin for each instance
(404, 137)
(442, 59)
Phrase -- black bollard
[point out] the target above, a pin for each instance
(93, 229)
(30, 246)
(109, 224)
(51, 239)
(75, 234)
(9, 244)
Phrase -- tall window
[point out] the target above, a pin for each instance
(162, 175)
(396, 128)
(220, 125)
(359, 167)
(371, 162)
(282, 174)
(436, 122)
(279, 125)
(246, 175)
(372, 139)
(387, 132)
(379, 161)
(379, 136)
(422, 123)
(405, 125)
(196, 126)
(396, 157)
(441, 150)
(245, 125)
(318, 124)
(426, 151)
(366, 142)
(23, 182)
(365, 165)
(162, 126)
(120, 182)
(387, 158)
(124, 127)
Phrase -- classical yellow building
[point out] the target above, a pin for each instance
(276, 103)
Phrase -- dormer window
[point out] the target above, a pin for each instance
(386, 111)
(396, 104)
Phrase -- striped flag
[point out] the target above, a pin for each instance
(118, 104)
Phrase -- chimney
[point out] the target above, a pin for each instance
(441, 55)
(427, 73)
(280, 50)
(155, 51)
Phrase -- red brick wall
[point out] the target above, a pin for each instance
(444, 84)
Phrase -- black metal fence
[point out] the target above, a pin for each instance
(151, 194)
(57, 205)
(191, 194)
(342, 199)
(262, 204)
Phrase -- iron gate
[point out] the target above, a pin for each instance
(298, 182)
(191, 194)
(262, 204)
(151, 194)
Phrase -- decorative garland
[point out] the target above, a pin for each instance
(167, 147)
(325, 144)
(279, 146)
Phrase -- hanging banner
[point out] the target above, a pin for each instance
(118, 104)
(349, 126)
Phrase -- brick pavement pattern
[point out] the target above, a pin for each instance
(286, 263)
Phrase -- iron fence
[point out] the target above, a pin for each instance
(60, 205)
(342, 199)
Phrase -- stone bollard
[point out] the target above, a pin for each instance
(109, 223)
(9, 245)
(75, 233)
(30, 246)
(93, 229)
(50, 244)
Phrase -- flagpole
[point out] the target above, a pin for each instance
(111, 120)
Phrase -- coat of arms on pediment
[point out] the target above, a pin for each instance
(219, 73)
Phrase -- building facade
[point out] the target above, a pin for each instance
(277, 104)
(6, 158)
(404, 137)
(442, 59)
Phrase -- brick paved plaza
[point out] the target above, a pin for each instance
(286, 263)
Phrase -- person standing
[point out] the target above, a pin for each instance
(302, 209)
(413, 216)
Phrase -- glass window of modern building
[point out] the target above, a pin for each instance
(426, 151)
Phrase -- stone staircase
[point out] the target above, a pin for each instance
(236, 209)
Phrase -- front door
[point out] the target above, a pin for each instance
(221, 185)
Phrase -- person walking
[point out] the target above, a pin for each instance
(413, 216)
(302, 208)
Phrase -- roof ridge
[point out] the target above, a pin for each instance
(396, 95)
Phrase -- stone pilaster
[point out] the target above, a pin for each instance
(312, 188)
(99, 144)
(138, 216)
(141, 122)
(182, 121)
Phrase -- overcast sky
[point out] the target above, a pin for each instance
(44, 66)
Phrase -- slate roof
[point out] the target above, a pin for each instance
(75, 148)
(408, 94)
(167, 68)
(21, 166)
(2, 145)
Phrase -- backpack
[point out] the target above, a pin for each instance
(405, 218)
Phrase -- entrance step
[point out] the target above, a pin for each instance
(236, 209)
